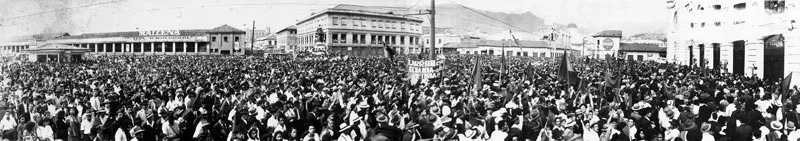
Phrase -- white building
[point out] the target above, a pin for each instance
(287, 39)
(360, 30)
(605, 43)
(496, 48)
(747, 37)
(441, 40)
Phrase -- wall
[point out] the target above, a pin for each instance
(647, 56)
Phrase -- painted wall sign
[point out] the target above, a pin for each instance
(160, 33)
(608, 43)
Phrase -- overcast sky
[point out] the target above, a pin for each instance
(22, 17)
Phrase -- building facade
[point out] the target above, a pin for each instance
(441, 40)
(360, 30)
(223, 40)
(642, 52)
(496, 48)
(606, 43)
(287, 39)
(746, 37)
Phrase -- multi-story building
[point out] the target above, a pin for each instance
(222, 40)
(746, 37)
(287, 39)
(360, 30)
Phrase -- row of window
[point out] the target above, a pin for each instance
(512, 53)
(167, 47)
(362, 39)
(716, 24)
(13, 48)
(383, 24)
(225, 39)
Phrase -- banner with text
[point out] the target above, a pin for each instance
(423, 70)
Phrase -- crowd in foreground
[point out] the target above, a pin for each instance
(345, 98)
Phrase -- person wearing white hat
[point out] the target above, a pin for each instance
(707, 133)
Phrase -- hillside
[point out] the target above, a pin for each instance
(462, 20)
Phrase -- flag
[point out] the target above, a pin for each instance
(388, 51)
(565, 71)
(612, 80)
(785, 84)
(477, 74)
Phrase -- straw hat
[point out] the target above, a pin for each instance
(776, 125)
(705, 127)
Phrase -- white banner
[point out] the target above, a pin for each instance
(424, 69)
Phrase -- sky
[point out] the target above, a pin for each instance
(25, 17)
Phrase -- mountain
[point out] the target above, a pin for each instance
(461, 20)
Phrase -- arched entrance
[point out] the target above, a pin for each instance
(716, 56)
(738, 57)
(773, 57)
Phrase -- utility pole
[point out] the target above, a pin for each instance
(253, 37)
(433, 30)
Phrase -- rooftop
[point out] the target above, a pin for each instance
(292, 27)
(225, 29)
(471, 43)
(385, 11)
(56, 47)
(608, 33)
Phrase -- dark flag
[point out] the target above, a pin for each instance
(785, 86)
(477, 75)
(612, 80)
(565, 72)
(388, 51)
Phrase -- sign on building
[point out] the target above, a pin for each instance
(159, 33)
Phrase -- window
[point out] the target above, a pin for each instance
(344, 38)
(717, 23)
(440, 41)
(335, 38)
(427, 41)
(372, 39)
(703, 24)
(225, 39)
(363, 39)
(738, 22)
(717, 7)
(691, 25)
(640, 57)
(355, 22)
(740, 6)
(402, 40)
(467, 52)
(236, 39)
(775, 6)
(524, 53)
(335, 20)
(363, 23)
(344, 21)
(213, 39)
(373, 23)
(355, 39)
(403, 27)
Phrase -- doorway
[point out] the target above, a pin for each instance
(717, 63)
(738, 57)
(773, 57)
(225, 52)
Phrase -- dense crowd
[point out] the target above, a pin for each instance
(344, 98)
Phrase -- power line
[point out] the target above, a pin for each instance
(415, 4)
(63, 9)
(490, 17)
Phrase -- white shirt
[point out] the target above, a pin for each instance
(86, 126)
(729, 110)
(794, 135)
(672, 134)
(498, 135)
(120, 135)
(45, 132)
(708, 137)
(95, 102)
(8, 122)
(763, 105)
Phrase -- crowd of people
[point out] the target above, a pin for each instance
(344, 98)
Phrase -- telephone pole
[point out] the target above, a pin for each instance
(433, 30)
(253, 37)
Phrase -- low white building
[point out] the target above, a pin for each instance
(642, 52)
(496, 48)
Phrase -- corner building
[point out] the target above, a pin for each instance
(359, 30)
(746, 37)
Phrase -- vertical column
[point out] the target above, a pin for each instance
(791, 63)
(173, 46)
(754, 58)
(184, 47)
(195, 47)
(114, 47)
(152, 47)
(141, 47)
(369, 38)
(163, 47)
(105, 49)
